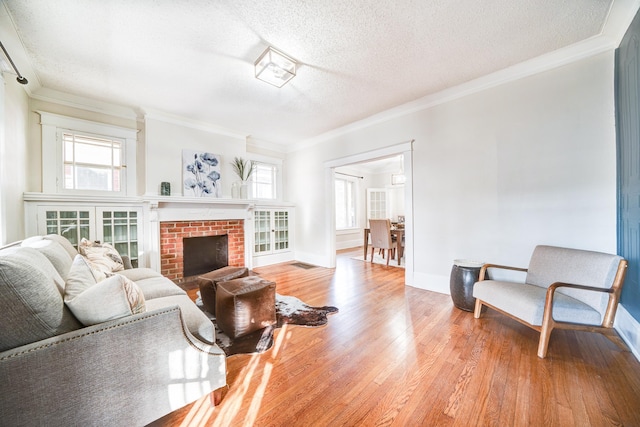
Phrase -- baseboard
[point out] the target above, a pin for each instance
(430, 282)
(262, 260)
(348, 244)
(313, 259)
(629, 330)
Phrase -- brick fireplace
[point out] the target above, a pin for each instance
(171, 247)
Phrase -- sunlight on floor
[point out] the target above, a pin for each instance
(199, 413)
(202, 412)
(254, 409)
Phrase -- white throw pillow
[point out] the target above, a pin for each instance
(80, 278)
(102, 255)
(110, 299)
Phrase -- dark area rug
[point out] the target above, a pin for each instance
(289, 310)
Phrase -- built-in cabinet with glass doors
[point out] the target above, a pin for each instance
(271, 233)
(117, 226)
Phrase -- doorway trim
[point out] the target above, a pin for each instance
(404, 148)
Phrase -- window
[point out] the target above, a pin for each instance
(89, 156)
(91, 163)
(264, 181)
(345, 204)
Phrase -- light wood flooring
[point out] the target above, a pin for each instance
(397, 355)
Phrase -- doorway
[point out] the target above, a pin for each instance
(405, 150)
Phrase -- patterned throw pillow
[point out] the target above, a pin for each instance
(101, 255)
(110, 299)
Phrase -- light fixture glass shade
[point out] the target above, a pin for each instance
(275, 67)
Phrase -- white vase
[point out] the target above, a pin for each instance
(235, 190)
(244, 190)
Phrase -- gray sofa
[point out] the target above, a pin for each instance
(129, 371)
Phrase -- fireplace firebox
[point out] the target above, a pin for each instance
(204, 254)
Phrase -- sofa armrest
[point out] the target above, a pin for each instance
(129, 371)
(485, 267)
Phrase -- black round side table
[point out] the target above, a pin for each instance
(464, 274)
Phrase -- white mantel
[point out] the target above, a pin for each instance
(176, 208)
(170, 208)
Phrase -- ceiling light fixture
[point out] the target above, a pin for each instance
(275, 68)
(21, 79)
(399, 178)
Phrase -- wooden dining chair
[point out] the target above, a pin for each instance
(381, 238)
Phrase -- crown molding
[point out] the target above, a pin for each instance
(537, 65)
(86, 104)
(616, 24)
(193, 124)
(261, 144)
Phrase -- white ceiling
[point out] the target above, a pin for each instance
(194, 59)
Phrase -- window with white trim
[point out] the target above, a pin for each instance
(85, 156)
(91, 162)
(264, 180)
(345, 190)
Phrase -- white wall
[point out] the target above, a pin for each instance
(495, 173)
(164, 144)
(13, 158)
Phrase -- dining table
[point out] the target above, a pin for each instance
(398, 232)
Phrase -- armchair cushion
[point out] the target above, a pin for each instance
(551, 264)
(527, 303)
(110, 299)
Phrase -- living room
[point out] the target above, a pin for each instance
(496, 164)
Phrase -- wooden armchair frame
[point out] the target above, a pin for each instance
(548, 323)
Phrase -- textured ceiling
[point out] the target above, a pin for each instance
(194, 59)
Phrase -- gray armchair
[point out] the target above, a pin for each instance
(564, 288)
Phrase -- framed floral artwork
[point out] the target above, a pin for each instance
(201, 174)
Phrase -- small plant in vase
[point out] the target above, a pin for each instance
(244, 169)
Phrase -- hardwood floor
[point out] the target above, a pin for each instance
(397, 355)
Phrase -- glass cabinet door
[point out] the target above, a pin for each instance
(74, 224)
(117, 226)
(262, 232)
(120, 229)
(281, 230)
(271, 231)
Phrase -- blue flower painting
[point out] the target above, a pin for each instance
(201, 174)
